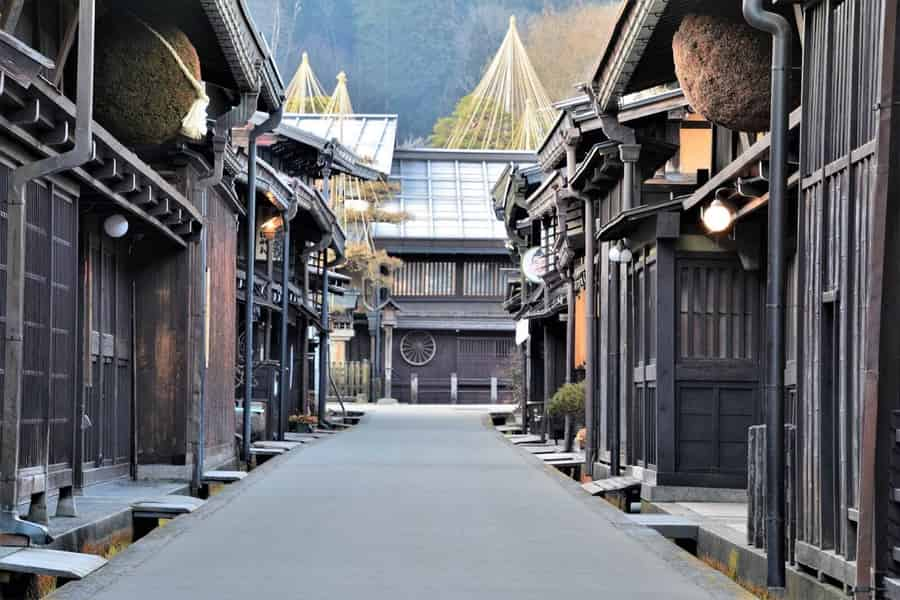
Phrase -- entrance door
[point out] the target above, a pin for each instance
(107, 426)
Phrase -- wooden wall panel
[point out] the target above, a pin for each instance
(220, 377)
(841, 69)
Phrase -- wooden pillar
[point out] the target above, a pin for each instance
(570, 332)
(454, 389)
(414, 388)
(666, 303)
(388, 359)
(548, 379)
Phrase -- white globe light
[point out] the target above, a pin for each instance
(625, 255)
(718, 217)
(115, 226)
(615, 254)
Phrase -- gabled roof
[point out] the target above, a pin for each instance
(246, 51)
(369, 137)
(639, 53)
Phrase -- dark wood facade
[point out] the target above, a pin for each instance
(113, 335)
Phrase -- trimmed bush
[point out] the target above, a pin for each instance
(568, 400)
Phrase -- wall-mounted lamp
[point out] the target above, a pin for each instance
(270, 228)
(719, 215)
(115, 226)
(620, 253)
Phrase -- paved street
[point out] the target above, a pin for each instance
(414, 503)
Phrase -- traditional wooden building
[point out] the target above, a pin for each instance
(681, 355)
(108, 372)
(451, 337)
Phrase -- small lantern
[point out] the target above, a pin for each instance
(270, 228)
(115, 226)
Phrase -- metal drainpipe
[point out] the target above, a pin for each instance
(629, 156)
(780, 29)
(287, 217)
(271, 123)
(15, 285)
(203, 185)
(323, 335)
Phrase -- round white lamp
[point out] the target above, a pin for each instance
(115, 226)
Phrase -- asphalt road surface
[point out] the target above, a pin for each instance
(416, 502)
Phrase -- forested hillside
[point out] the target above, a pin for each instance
(419, 57)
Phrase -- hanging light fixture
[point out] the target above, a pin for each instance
(115, 226)
(615, 252)
(620, 253)
(719, 215)
(271, 227)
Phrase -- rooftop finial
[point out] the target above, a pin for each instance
(342, 77)
(512, 21)
(305, 58)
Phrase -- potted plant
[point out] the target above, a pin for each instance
(568, 402)
(302, 423)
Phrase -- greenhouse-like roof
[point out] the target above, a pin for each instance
(370, 137)
(447, 193)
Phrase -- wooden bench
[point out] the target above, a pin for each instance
(51, 563)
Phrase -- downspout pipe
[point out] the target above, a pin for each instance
(268, 125)
(211, 179)
(17, 188)
(780, 29)
(324, 375)
(284, 381)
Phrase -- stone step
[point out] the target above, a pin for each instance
(51, 563)
(223, 476)
(260, 451)
(167, 507)
(287, 446)
(669, 526)
(600, 487)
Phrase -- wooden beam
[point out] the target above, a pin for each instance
(108, 170)
(128, 185)
(29, 114)
(58, 136)
(145, 196)
(65, 49)
(161, 208)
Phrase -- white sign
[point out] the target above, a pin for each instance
(534, 265)
(522, 334)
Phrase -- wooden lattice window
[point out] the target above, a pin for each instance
(426, 278)
(484, 279)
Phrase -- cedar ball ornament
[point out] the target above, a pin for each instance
(724, 68)
(148, 88)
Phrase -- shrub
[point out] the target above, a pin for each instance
(568, 400)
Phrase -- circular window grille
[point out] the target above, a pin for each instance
(418, 348)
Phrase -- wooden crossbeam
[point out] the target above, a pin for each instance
(161, 208)
(29, 114)
(59, 135)
(108, 170)
(128, 185)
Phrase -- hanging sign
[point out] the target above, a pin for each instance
(534, 265)
(522, 333)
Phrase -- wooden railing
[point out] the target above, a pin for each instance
(351, 378)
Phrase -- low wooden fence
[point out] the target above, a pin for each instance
(352, 379)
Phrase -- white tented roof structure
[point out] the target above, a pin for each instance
(447, 193)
